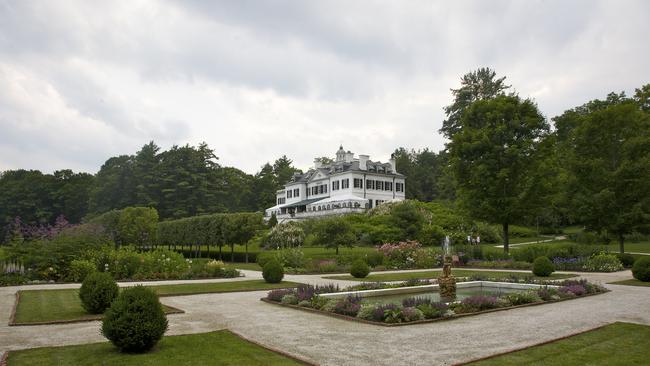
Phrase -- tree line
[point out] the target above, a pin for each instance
(505, 163)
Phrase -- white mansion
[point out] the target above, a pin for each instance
(347, 185)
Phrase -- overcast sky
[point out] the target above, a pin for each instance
(81, 81)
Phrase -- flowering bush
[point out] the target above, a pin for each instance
(286, 235)
(411, 314)
(433, 310)
(477, 303)
(576, 290)
(410, 254)
(568, 264)
(349, 306)
(520, 298)
(289, 299)
(277, 295)
(402, 254)
(603, 262)
(381, 311)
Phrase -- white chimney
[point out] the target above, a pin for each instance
(363, 161)
(349, 157)
(317, 163)
(392, 163)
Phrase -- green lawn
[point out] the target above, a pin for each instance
(639, 247)
(633, 282)
(526, 240)
(248, 266)
(614, 344)
(403, 276)
(37, 306)
(214, 348)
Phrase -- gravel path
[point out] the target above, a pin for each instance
(330, 341)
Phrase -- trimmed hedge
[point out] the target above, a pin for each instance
(359, 269)
(641, 269)
(543, 267)
(273, 272)
(136, 321)
(97, 292)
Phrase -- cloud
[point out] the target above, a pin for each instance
(81, 81)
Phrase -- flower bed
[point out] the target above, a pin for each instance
(415, 309)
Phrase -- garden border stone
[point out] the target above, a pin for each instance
(13, 323)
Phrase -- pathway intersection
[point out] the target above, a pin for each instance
(329, 341)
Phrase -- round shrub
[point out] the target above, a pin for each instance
(97, 292)
(627, 259)
(136, 321)
(641, 269)
(359, 269)
(273, 272)
(543, 267)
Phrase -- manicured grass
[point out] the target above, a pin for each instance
(632, 282)
(403, 276)
(639, 247)
(214, 348)
(614, 344)
(36, 306)
(248, 266)
(526, 240)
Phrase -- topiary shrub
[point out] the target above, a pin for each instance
(136, 321)
(627, 259)
(359, 269)
(543, 267)
(97, 292)
(273, 272)
(641, 269)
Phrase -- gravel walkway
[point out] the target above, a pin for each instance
(330, 341)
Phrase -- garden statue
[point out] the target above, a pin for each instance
(447, 282)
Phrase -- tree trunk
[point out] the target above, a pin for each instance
(337, 250)
(208, 251)
(232, 253)
(220, 246)
(621, 243)
(506, 242)
(246, 252)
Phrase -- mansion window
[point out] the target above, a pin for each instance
(388, 186)
(335, 185)
(289, 194)
(296, 192)
(399, 187)
(345, 183)
(379, 185)
(370, 184)
(281, 200)
(358, 183)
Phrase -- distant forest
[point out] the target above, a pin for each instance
(180, 182)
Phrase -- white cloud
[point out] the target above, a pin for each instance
(81, 81)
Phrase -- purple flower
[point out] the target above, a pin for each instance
(276, 295)
(577, 290)
(480, 302)
(379, 313)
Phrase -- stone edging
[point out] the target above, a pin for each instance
(424, 321)
(12, 319)
(275, 350)
(227, 292)
(527, 347)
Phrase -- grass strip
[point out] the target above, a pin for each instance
(633, 282)
(215, 348)
(41, 306)
(613, 344)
